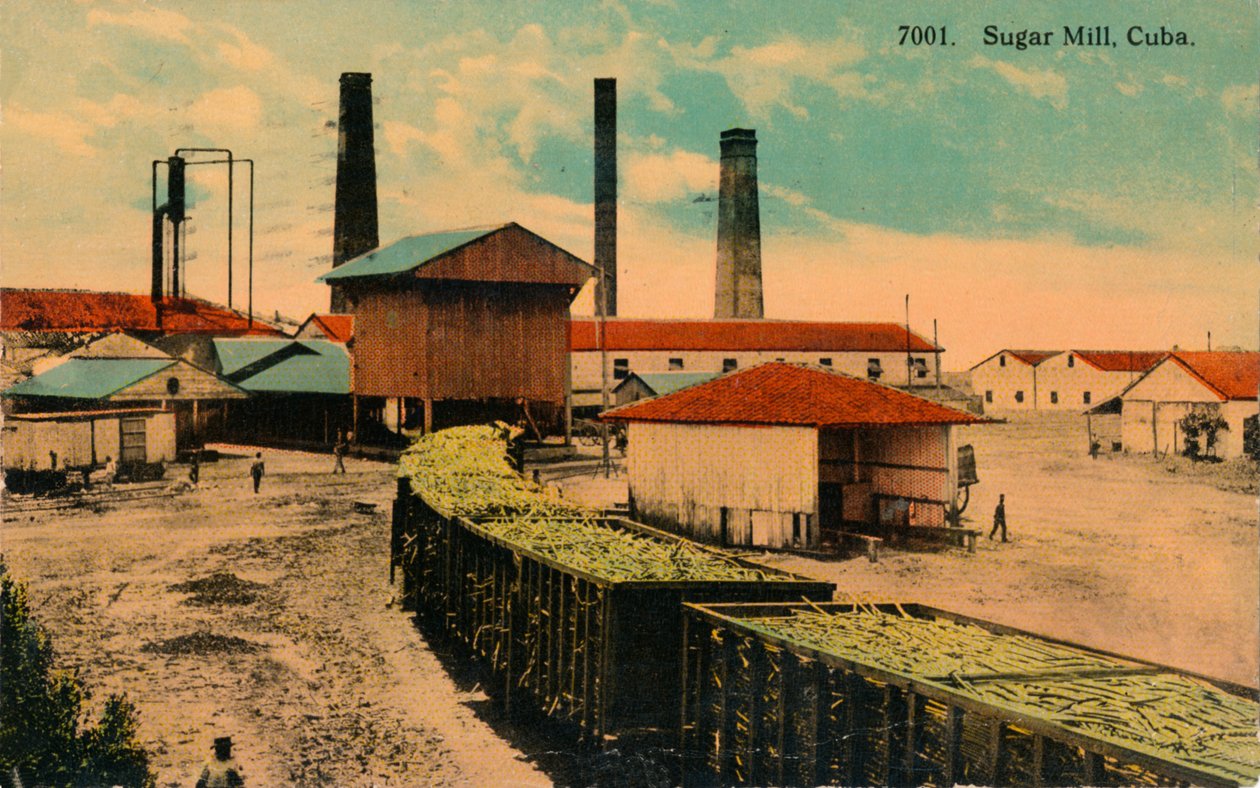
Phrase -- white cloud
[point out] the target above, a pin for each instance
(664, 177)
(242, 53)
(237, 108)
(1040, 84)
(66, 132)
(1128, 88)
(154, 22)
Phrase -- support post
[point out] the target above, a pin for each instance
(428, 415)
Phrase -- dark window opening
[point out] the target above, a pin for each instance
(621, 368)
(873, 370)
(1001, 361)
(675, 363)
(780, 358)
(796, 529)
(920, 367)
(1071, 361)
(1085, 398)
(988, 395)
(1019, 396)
(824, 362)
(1054, 398)
(729, 364)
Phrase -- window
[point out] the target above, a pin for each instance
(1085, 398)
(1019, 396)
(1071, 360)
(1001, 361)
(780, 358)
(988, 396)
(621, 368)
(1054, 398)
(873, 370)
(675, 363)
(824, 362)
(729, 364)
(919, 365)
(132, 441)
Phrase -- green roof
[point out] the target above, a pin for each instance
(669, 382)
(406, 254)
(234, 354)
(89, 378)
(312, 366)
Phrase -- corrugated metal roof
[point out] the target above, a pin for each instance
(406, 254)
(778, 393)
(75, 310)
(89, 378)
(303, 366)
(668, 382)
(788, 335)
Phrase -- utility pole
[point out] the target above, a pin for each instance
(908, 359)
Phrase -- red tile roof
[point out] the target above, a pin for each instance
(1121, 360)
(791, 335)
(1231, 374)
(1033, 357)
(792, 394)
(77, 310)
(338, 328)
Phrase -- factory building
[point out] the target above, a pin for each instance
(790, 456)
(1215, 382)
(873, 351)
(460, 326)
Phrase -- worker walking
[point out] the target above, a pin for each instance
(221, 771)
(257, 470)
(999, 518)
(111, 471)
(340, 449)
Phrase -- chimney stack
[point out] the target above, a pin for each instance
(355, 221)
(606, 195)
(739, 229)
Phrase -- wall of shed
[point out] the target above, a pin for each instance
(586, 374)
(462, 340)
(681, 477)
(194, 384)
(510, 256)
(925, 469)
(1138, 435)
(27, 443)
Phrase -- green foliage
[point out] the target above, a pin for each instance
(40, 709)
(1201, 428)
(1251, 437)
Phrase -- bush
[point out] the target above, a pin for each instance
(1200, 429)
(41, 707)
(1251, 437)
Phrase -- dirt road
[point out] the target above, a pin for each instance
(288, 643)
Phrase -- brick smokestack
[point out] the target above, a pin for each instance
(606, 194)
(355, 221)
(739, 229)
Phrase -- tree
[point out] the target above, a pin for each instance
(1201, 429)
(41, 707)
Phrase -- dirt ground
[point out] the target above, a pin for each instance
(270, 618)
(286, 638)
(1118, 553)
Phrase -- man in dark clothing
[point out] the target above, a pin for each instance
(257, 470)
(222, 772)
(999, 518)
(194, 467)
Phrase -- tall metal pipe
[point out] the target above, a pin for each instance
(355, 223)
(606, 195)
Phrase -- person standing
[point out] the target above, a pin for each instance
(257, 470)
(340, 449)
(194, 466)
(999, 518)
(111, 471)
(222, 771)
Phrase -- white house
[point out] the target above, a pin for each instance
(875, 351)
(1076, 379)
(1007, 380)
(786, 455)
(1222, 382)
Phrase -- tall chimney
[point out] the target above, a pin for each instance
(739, 229)
(354, 222)
(606, 195)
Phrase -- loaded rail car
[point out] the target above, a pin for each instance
(851, 694)
(569, 634)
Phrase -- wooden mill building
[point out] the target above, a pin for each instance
(786, 455)
(462, 326)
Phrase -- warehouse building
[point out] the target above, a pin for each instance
(461, 326)
(1216, 382)
(873, 351)
(1007, 380)
(786, 455)
(1057, 379)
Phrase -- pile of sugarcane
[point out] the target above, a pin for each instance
(1170, 716)
(619, 555)
(465, 471)
(924, 647)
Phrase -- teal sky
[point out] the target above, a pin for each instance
(1055, 196)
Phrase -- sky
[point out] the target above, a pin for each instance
(1047, 197)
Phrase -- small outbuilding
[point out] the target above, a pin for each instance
(654, 384)
(790, 456)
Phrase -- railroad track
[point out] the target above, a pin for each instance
(22, 504)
